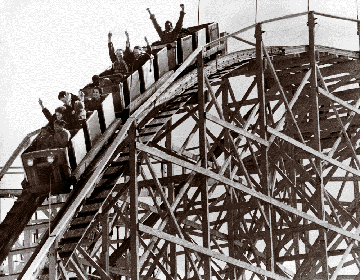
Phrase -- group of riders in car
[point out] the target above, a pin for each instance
(69, 117)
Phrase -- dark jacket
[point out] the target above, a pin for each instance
(75, 113)
(136, 63)
(171, 36)
(118, 66)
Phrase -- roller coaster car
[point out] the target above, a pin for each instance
(50, 169)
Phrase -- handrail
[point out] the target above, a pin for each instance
(24, 143)
(336, 17)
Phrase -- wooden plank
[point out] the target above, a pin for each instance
(133, 85)
(107, 114)
(78, 146)
(147, 76)
(185, 48)
(161, 65)
(92, 129)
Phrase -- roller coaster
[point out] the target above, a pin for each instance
(181, 175)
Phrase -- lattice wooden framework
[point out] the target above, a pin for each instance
(250, 169)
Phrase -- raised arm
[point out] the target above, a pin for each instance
(111, 49)
(127, 41)
(45, 111)
(179, 23)
(148, 47)
(155, 23)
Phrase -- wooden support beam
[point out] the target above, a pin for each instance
(203, 158)
(53, 273)
(171, 197)
(239, 130)
(104, 275)
(264, 159)
(105, 242)
(230, 196)
(78, 269)
(134, 205)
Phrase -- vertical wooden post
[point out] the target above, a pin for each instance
(358, 31)
(53, 275)
(27, 244)
(264, 160)
(11, 263)
(230, 198)
(171, 197)
(203, 156)
(134, 194)
(105, 242)
(314, 116)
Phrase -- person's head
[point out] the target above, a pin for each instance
(119, 54)
(64, 96)
(168, 26)
(137, 51)
(96, 80)
(96, 93)
(59, 112)
(59, 125)
(45, 131)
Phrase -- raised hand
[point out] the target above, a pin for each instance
(41, 103)
(182, 7)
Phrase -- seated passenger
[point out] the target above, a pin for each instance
(43, 141)
(75, 112)
(94, 102)
(117, 58)
(138, 57)
(96, 82)
(170, 34)
(59, 114)
(61, 135)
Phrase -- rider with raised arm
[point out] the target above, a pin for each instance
(170, 34)
(136, 58)
(117, 58)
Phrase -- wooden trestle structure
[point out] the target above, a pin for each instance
(254, 181)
